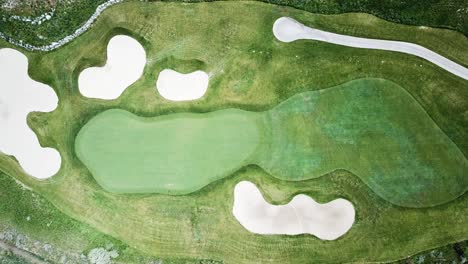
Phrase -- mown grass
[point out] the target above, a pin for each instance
(28, 213)
(251, 71)
(172, 154)
(372, 128)
(381, 134)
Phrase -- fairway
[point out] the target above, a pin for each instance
(384, 130)
(382, 135)
(173, 154)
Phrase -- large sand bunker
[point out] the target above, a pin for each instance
(126, 59)
(176, 86)
(287, 29)
(20, 95)
(300, 216)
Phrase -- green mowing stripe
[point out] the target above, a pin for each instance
(175, 154)
(374, 129)
(371, 127)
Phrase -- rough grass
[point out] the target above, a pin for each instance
(234, 42)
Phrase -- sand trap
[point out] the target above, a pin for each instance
(177, 86)
(126, 59)
(302, 215)
(287, 29)
(20, 95)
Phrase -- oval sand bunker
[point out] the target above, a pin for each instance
(20, 95)
(177, 86)
(302, 215)
(126, 59)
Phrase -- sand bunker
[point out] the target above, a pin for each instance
(302, 215)
(126, 59)
(20, 95)
(176, 86)
(287, 29)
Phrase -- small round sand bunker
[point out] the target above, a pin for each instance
(177, 86)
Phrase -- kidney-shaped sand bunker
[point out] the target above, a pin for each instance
(126, 59)
(177, 86)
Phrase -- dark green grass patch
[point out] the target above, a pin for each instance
(372, 128)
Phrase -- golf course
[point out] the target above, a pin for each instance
(210, 133)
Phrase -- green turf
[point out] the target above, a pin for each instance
(382, 135)
(372, 128)
(250, 70)
(175, 154)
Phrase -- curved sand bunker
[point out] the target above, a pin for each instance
(20, 95)
(126, 59)
(287, 29)
(177, 86)
(302, 215)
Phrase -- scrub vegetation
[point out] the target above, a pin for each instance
(250, 71)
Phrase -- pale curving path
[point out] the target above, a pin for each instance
(302, 215)
(177, 86)
(287, 29)
(126, 59)
(20, 95)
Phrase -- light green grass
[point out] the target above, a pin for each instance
(175, 154)
(221, 37)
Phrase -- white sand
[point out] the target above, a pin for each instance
(20, 95)
(177, 86)
(302, 215)
(287, 29)
(126, 59)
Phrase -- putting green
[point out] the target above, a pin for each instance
(382, 135)
(174, 154)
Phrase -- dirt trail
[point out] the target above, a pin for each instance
(33, 259)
